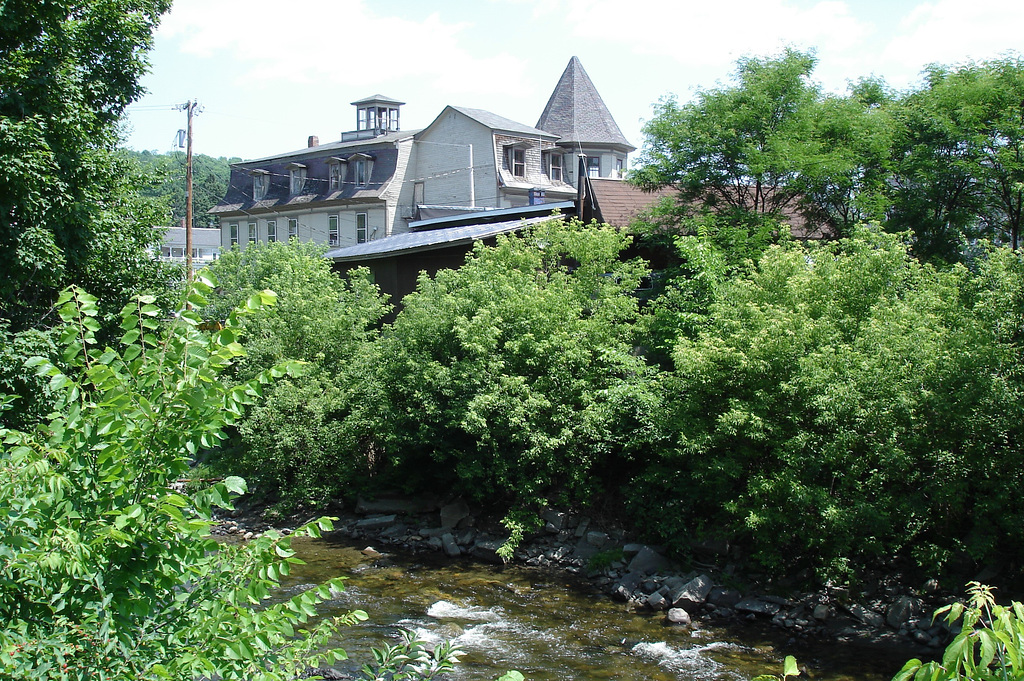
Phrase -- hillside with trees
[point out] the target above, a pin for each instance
(165, 183)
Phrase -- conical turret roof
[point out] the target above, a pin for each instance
(577, 114)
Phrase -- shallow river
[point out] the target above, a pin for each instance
(548, 626)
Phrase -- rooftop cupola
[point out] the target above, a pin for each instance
(377, 114)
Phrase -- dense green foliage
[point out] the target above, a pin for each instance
(945, 160)
(305, 441)
(844, 403)
(830, 405)
(108, 570)
(69, 210)
(771, 144)
(958, 156)
(165, 182)
(514, 378)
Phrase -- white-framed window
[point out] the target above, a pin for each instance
(336, 174)
(332, 230)
(297, 176)
(619, 170)
(366, 119)
(360, 228)
(362, 168)
(271, 231)
(594, 166)
(517, 161)
(233, 233)
(417, 193)
(554, 163)
(293, 228)
(252, 232)
(260, 184)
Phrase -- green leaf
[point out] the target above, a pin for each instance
(513, 675)
(789, 667)
(235, 484)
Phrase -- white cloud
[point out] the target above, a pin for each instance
(339, 42)
(715, 33)
(951, 32)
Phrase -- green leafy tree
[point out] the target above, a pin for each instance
(959, 163)
(107, 567)
(513, 378)
(68, 209)
(847, 179)
(734, 146)
(108, 570)
(773, 144)
(844, 403)
(306, 440)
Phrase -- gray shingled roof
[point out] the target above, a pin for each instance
(496, 122)
(576, 113)
(377, 98)
(320, 150)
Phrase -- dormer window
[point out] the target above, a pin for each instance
(515, 158)
(519, 162)
(336, 171)
(362, 168)
(553, 162)
(260, 184)
(297, 175)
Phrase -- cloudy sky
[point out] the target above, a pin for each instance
(269, 73)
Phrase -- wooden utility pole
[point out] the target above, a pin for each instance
(190, 107)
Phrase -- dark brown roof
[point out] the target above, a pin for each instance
(577, 114)
(619, 203)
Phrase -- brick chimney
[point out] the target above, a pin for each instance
(313, 141)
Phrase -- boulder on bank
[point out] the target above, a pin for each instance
(451, 548)
(487, 551)
(692, 594)
(723, 597)
(454, 513)
(678, 616)
(647, 561)
(868, 617)
(624, 588)
(397, 505)
(902, 610)
(757, 606)
(376, 523)
(555, 521)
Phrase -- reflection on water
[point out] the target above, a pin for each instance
(545, 625)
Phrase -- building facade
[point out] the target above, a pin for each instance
(377, 179)
(206, 245)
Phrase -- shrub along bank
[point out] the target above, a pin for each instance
(826, 406)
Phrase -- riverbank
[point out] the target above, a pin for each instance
(711, 589)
